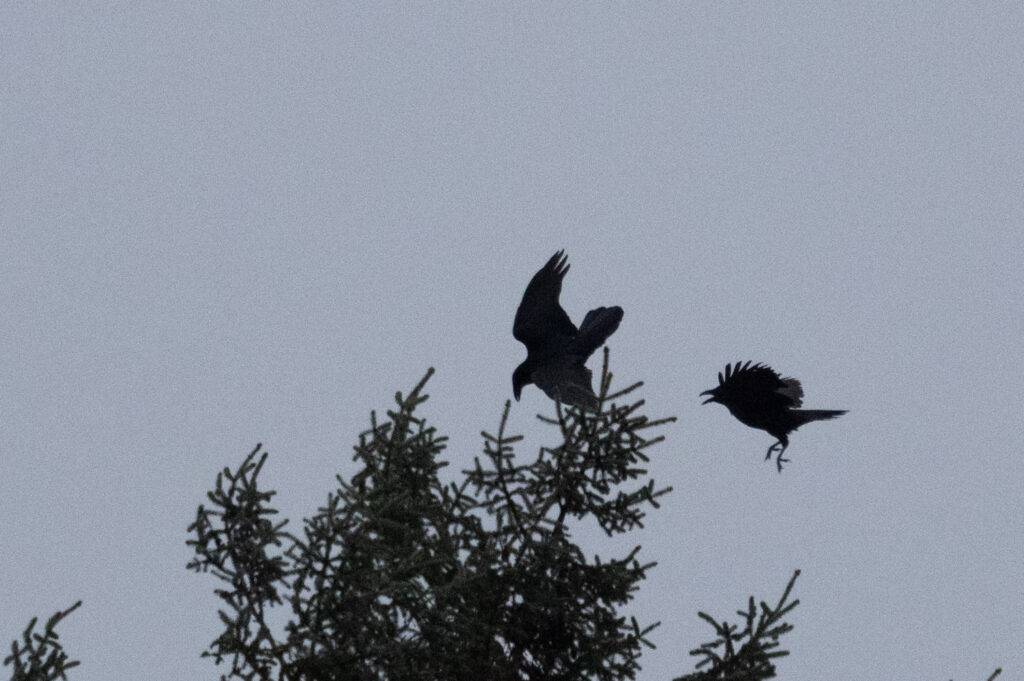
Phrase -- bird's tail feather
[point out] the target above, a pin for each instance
(599, 323)
(808, 415)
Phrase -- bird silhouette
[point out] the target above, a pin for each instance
(760, 398)
(555, 349)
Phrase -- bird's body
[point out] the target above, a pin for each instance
(760, 398)
(556, 351)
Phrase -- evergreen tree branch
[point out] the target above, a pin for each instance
(41, 657)
(238, 543)
(746, 654)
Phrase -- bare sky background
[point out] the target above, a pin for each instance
(223, 224)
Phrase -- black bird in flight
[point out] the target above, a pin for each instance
(760, 398)
(555, 349)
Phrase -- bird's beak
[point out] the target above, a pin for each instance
(710, 399)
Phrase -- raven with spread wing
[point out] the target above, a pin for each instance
(760, 398)
(555, 349)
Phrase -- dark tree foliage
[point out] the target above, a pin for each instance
(40, 656)
(745, 654)
(400, 576)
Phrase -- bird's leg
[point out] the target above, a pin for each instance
(781, 447)
(780, 460)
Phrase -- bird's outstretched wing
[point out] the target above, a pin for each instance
(595, 328)
(761, 383)
(567, 382)
(540, 318)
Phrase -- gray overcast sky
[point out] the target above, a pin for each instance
(223, 224)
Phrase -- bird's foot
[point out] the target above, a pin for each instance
(780, 460)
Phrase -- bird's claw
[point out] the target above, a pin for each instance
(780, 460)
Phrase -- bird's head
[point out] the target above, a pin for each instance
(520, 379)
(714, 395)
